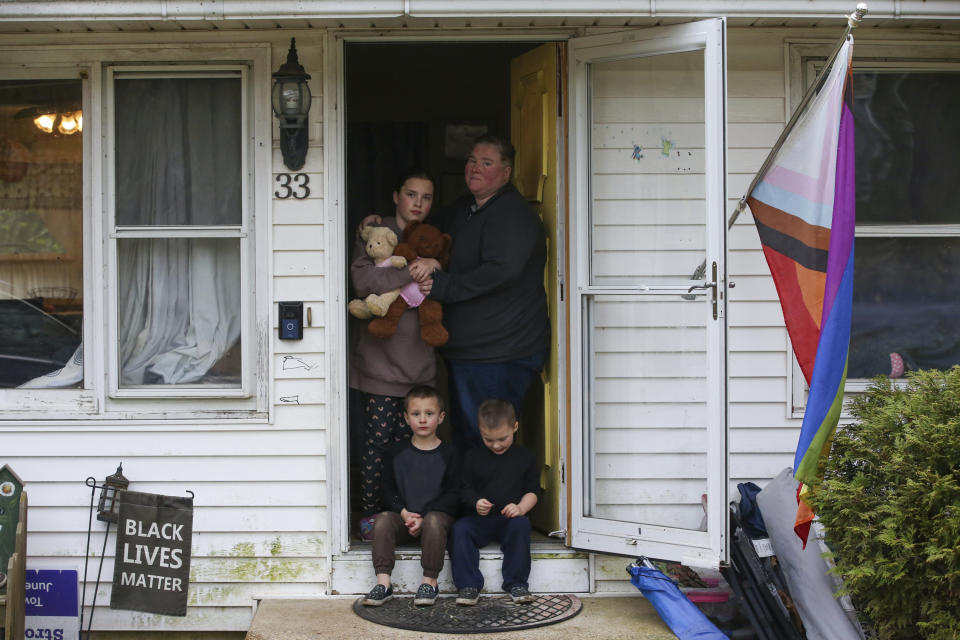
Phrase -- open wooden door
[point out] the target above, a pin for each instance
(648, 353)
(533, 131)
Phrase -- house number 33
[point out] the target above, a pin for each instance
(296, 186)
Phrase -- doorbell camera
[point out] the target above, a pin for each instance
(291, 320)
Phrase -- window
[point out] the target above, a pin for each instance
(907, 245)
(41, 233)
(132, 281)
(907, 248)
(179, 233)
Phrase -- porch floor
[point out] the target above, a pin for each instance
(610, 618)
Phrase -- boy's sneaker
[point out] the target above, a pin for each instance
(468, 596)
(378, 595)
(426, 595)
(366, 528)
(521, 595)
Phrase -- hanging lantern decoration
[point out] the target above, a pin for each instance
(107, 508)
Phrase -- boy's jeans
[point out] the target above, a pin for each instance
(472, 532)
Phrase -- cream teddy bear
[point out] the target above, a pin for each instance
(380, 243)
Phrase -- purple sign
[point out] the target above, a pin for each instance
(52, 611)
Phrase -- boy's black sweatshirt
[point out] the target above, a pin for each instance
(421, 481)
(502, 479)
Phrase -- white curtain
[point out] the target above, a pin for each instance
(178, 312)
(178, 308)
(70, 375)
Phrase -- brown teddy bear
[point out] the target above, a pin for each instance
(424, 241)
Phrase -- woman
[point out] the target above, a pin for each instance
(494, 302)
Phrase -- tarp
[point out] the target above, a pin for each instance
(804, 569)
(682, 616)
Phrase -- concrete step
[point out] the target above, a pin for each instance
(615, 618)
(554, 569)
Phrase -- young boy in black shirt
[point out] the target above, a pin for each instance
(420, 480)
(500, 485)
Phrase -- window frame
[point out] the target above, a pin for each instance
(117, 233)
(99, 398)
(805, 59)
(83, 400)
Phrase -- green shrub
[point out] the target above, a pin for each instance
(890, 504)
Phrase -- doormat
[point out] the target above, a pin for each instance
(491, 614)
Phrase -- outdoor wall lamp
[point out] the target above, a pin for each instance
(291, 104)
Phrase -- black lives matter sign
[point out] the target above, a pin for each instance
(151, 570)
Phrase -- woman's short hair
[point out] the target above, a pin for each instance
(507, 152)
(412, 172)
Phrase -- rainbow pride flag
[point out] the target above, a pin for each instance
(804, 209)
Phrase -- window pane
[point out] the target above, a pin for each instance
(908, 147)
(178, 151)
(178, 311)
(904, 302)
(41, 233)
(647, 189)
(647, 420)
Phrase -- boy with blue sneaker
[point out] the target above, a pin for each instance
(500, 485)
(420, 481)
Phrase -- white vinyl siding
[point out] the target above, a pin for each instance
(762, 436)
(257, 511)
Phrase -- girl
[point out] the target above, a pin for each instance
(383, 371)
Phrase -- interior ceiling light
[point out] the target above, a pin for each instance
(45, 122)
(70, 123)
(55, 121)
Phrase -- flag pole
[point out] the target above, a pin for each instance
(853, 20)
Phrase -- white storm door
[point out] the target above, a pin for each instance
(647, 176)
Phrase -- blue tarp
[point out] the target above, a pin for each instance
(682, 616)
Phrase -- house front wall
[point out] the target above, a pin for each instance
(270, 499)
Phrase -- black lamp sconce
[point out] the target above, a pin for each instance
(291, 104)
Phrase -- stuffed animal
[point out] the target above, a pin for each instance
(424, 241)
(380, 243)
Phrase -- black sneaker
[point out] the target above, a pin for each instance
(377, 596)
(426, 595)
(521, 595)
(468, 596)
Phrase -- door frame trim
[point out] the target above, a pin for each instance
(334, 147)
